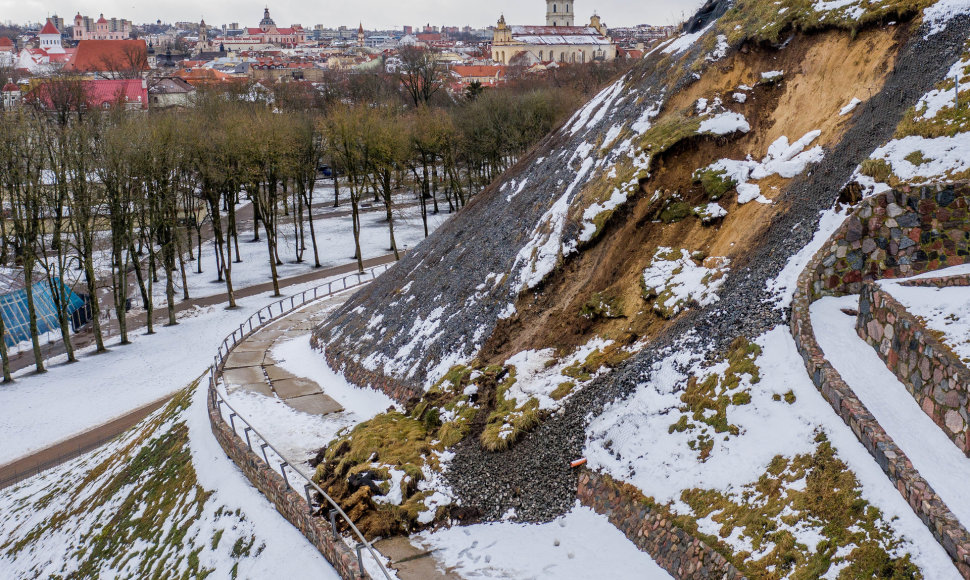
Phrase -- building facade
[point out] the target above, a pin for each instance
(101, 29)
(556, 42)
(559, 13)
(266, 35)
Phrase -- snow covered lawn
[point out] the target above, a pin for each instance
(162, 501)
(936, 458)
(638, 440)
(334, 239)
(40, 410)
(945, 310)
(579, 545)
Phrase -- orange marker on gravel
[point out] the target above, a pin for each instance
(578, 463)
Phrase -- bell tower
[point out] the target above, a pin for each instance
(560, 13)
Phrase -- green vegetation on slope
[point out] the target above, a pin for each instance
(135, 513)
(771, 20)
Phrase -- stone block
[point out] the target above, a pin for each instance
(239, 360)
(244, 376)
(295, 387)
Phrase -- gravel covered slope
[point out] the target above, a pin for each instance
(453, 288)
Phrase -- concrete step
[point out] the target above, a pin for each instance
(411, 562)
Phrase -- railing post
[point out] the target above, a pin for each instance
(283, 473)
(333, 523)
(309, 502)
(233, 423)
(360, 559)
(263, 447)
(246, 433)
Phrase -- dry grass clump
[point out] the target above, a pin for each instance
(708, 399)
(771, 20)
(405, 442)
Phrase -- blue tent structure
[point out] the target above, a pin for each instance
(16, 320)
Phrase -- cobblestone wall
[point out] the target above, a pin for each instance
(676, 551)
(896, 234)
(828, 274)
(944, 282)
(290, 504)
(932, 373)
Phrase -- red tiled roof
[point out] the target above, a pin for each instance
(5, 42)
(49, 28)
(10, 88)
(467, 71)
(109, 55)
(98, 93)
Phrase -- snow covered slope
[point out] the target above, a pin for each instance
(161, 501)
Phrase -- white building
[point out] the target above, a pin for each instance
(558, 41)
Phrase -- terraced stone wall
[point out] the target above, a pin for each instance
(832, 272)
(288, 502)
(932, 373)
(676, 551)
(896, 234)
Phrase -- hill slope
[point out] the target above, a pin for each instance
(668, 217)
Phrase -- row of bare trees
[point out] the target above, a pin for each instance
(115, 203)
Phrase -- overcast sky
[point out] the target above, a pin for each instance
(331, 13)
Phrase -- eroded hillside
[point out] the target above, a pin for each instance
(661, 215)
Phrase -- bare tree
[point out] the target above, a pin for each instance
(421, 75)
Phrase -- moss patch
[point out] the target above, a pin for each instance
(602, 306)
(771, 20)
(708, 398)
(408, 442)
(716, 183)
(816, 491)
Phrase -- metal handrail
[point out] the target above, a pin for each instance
(255, 323)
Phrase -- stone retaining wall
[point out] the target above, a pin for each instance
(959, 280)
(932, 373)
(676, 551)
(895, 234)
(361, 377)
(828, 273)
(290, 504)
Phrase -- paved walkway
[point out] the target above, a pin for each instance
(251, 367)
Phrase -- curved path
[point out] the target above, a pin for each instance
(251, 367)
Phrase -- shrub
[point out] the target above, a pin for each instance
(878, 169)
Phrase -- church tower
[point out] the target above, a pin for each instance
(560, 13)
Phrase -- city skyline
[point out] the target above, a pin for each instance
(374, 14)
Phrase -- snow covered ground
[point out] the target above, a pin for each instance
(334, 240)
(40, 410)
(298, 434)
(579, 545)
(633, 441)
(945, 310)
(936, 140)
(936, 458)
(190, 511)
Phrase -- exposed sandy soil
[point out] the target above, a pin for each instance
(823, 73)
